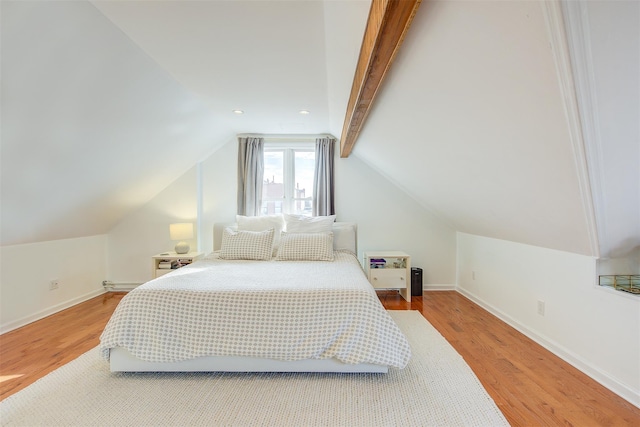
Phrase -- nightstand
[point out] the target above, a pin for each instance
(389, 270)
(171, 257)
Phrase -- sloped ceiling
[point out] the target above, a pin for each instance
(105, 103)
(266, 58)
(472, 123)
(91, 126)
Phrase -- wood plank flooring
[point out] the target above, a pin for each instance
(31, 352)
(530, 385)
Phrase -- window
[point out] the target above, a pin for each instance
(288, 178)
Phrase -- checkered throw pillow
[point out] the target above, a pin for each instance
(253, 245)
(305, 247)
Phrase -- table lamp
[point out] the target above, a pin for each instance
(181, 232)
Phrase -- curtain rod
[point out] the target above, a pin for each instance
(286, 136)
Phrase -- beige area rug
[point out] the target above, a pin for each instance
(437, 388)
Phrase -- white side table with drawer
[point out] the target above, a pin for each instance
(393, 273)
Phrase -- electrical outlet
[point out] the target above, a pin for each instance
(473, 275)
(541, 308)
(53, 284)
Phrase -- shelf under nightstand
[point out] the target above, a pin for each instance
(171, 256)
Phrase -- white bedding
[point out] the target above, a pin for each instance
(267, 309)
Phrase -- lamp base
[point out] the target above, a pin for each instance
(182, 248)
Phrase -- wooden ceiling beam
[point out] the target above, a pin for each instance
(387, 26)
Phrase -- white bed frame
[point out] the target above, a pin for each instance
(121, 360)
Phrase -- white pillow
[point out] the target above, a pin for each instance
(308, 224)
(262, 223)
(305, 247)
(253, 245)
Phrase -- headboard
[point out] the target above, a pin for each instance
(345, 235)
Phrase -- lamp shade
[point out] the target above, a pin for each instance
(181, 231)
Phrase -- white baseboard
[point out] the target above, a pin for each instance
(573, 359)
(433, 287)
(10, 326)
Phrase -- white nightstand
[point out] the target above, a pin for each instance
(393, 273)
(170, 257)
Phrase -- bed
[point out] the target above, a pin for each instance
(270, 315)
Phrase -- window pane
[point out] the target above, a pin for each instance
(272, 207)
(302, 207)
(273, 182)
(303, 190)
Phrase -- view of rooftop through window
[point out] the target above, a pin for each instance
(288, 181)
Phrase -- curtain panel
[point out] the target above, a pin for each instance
(323, 182)
(250, 175)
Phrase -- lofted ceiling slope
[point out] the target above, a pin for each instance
(472, 123)
(267, 58)
(106, 103)
(91, 126)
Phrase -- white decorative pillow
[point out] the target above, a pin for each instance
(253, 245)
(308, 224)
(305, 247)
(262, 223)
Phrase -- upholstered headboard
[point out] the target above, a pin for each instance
(345, 235)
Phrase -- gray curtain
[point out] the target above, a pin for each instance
(323, 178)
(250, 175)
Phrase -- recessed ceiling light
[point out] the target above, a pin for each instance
(304, 111)
(238, 111)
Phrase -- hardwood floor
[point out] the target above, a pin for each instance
(31, 352)
(530, 385)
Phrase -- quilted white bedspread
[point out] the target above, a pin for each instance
(284, 310)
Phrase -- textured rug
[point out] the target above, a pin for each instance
(436, 388)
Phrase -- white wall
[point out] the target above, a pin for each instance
(144, 233)
(219, 190)
(387, 218)
(595, 329)
(26, 270)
